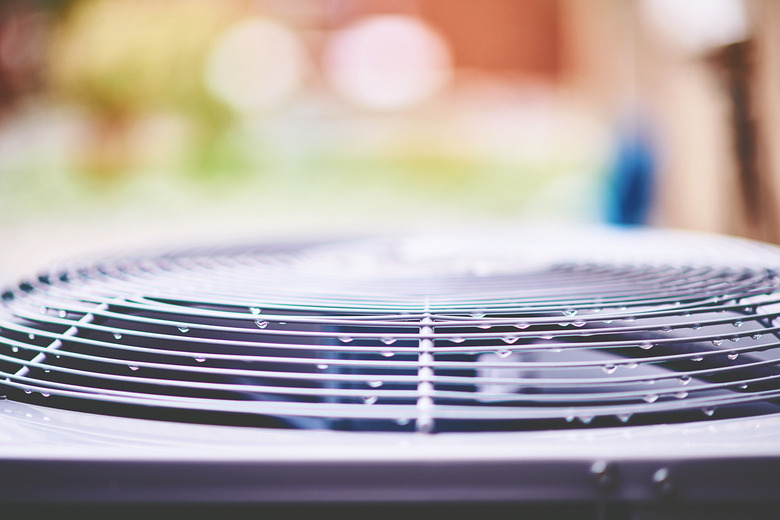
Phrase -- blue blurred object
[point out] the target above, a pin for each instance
(630, 182)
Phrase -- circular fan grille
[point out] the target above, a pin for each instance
(416, 334)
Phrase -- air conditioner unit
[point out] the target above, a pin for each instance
(595, 373)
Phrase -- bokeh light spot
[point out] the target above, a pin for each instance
(388, 62)
(256, 65)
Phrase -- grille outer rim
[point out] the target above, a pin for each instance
(432, 311)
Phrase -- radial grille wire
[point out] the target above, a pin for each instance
(366, 336)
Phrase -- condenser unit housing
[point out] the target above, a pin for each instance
(594, 373)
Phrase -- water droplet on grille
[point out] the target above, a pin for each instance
(424, 425)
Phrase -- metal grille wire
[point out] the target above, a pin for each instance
(361, 336)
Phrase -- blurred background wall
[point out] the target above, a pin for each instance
(136, 122)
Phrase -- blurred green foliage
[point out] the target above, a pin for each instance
(127, 59)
